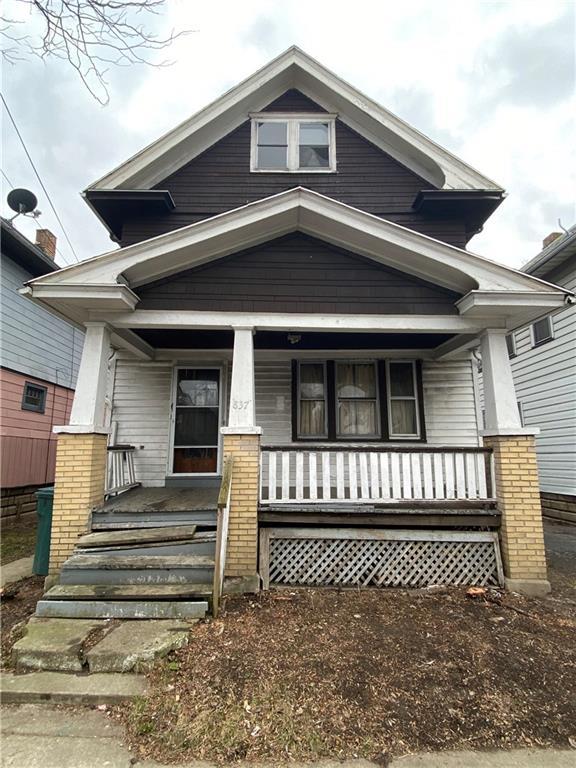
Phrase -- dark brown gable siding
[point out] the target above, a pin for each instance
(293, 101)
(220, 180)
(297, 273)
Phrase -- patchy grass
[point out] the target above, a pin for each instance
(17, 542)
(310, 674)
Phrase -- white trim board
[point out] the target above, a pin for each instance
(294, 69)
(314, 214)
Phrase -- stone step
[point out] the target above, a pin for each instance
(134, 645)
(134, 537)
(61, 688)
(54, 644)
(132, 592)
(122, 609)
(203, 543)
(111, 569)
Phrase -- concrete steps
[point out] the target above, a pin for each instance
(61, 688)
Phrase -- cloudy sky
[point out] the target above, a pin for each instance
(491, 81)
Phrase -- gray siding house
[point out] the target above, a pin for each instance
(543, 357)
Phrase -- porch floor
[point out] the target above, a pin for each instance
(163, 500)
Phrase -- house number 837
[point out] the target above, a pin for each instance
(240, 405)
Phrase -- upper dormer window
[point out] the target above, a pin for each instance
(292, 144)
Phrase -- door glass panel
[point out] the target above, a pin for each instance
(196, 421)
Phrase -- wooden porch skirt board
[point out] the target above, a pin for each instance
(376, 558)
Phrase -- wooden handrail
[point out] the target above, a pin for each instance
(223, 517)
(371, 448)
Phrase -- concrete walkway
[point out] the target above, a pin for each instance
(44, 737)
(18, 569)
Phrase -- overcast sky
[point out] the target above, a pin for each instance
(493, 82)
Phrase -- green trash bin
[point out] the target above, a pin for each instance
(44, 501)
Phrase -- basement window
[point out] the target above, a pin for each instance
(34, 397)
(289, 144)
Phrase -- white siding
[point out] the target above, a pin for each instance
(34, 341)
(545, 382)
(142, 395)
(141, 408)
(450, 403)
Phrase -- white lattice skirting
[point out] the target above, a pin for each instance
(375, 558)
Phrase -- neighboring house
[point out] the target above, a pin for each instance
(544, 367)
(39, 355)
(293, 292)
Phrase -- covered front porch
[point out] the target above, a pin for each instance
(330, 354)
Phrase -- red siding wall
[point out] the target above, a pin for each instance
(27, 443)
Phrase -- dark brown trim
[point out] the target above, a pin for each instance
(331, 404)
(420, 392)
(331, 398)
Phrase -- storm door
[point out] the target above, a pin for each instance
(196, 412)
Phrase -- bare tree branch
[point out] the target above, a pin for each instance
(90, 34)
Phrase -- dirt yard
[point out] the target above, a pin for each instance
(307, 674)
(17, 604)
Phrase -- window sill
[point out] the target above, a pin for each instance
(294, 172)
(535, 345)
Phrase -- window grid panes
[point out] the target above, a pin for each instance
(403, 419)
(542, 331)
(357, 400)
(34, 398)
(312, 416)
(293, 144)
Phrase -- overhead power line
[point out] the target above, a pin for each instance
(38, 177)
(7, 179)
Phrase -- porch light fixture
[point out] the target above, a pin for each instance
(294, 338)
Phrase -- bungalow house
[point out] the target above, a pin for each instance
(293, 307)
(39, 359)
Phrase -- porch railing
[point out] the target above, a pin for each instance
(222, 534)
(120, 475)
(343, 474)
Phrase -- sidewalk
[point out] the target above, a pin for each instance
(16, 570)
(44, 737)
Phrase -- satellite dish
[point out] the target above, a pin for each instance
(22, 200)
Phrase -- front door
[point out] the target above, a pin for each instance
(196, 419)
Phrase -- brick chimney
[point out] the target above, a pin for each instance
(47, 241)
(550, 239)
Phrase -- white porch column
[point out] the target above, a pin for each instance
(88, 409)
(515, 470)
(501, 407)
(242, 397)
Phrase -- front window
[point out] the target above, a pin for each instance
(511, 345)
(293, 144)
(312, 400)
(402, 400)
(357, 400)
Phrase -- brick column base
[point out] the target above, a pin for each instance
(242, 552)
(518, 495)
(78, 487)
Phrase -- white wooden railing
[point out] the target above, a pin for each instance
(222, 534)
(120, 475)
(342, 474)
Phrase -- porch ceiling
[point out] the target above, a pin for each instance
(278, 340)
